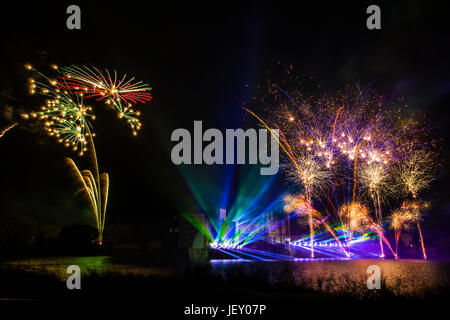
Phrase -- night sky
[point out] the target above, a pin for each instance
(202, 61)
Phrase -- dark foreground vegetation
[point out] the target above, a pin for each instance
(199, 285)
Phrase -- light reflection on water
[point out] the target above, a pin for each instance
(400, 277)
(88, 265)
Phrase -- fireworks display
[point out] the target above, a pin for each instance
(354, 154)
(65, 114)
(66, 117)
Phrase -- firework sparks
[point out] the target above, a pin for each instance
(95, 83)
(309, 173)
(121, 93)
(376, 181)
(399, 220)
(65, 116)
(415, 172)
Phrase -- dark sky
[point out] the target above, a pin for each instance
(199, 57)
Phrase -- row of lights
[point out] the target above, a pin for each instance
(317, 244)
(224, 246)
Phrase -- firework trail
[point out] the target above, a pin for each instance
(96, 189)
(408, 214)
(376, 182)
(398, 219)
(7, 129)
(356, 218)
(300, 205)
(310, 174)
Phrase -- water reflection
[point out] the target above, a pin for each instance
(88, 265)
(399, 277)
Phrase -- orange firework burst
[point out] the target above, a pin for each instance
(408, 214)
(356, 217)
(299, 204)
